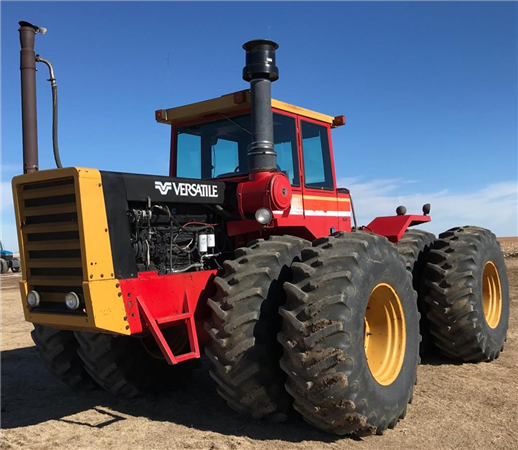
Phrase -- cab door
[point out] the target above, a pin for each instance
(319, 196)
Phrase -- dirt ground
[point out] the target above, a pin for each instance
(455, 406)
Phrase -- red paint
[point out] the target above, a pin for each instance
(301, 217)
(393, 227)
(166, 300)
(280, 192)
(240, 227)
(154, 326)
(263, 189)
(344, 223)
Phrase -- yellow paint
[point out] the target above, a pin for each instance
(302, 111)
(57, 320)
(104, 305)
(225, 105)
(491, 295)
(104, 308)
(384, 334)
(95, 238)
(328, 199)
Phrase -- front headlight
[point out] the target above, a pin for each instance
(263, 216)
(33, 299)
(72, 300)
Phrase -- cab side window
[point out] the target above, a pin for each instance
(317, 160)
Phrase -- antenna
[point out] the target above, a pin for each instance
(167, 75)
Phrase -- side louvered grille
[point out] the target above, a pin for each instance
(52, 246)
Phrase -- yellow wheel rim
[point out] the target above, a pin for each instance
(491, 295)
(384, 334)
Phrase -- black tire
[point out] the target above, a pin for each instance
(16, 269)
(414, 247)
(455, 295)
(243, 351)
(58, 351)
(323, 335)
(4, 267)
(122, 365)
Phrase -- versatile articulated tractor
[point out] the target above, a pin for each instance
(249, 253)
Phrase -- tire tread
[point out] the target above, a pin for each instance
(243, 351)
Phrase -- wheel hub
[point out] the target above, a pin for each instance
(491, 295)
(384, 334)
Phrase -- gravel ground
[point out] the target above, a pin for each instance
(455, 405)
(509, 246)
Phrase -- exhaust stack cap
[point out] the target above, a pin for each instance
(260, 60)
(36, 28)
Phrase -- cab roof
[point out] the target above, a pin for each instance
(229, 103)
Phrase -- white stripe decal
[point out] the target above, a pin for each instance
(310, 212)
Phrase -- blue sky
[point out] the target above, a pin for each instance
(429, 90)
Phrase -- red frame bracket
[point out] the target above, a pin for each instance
(155, 326)
(393, 227)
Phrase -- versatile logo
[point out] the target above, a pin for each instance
(163, 188)
(187, 189)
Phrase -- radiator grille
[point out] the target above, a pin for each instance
(52, 245)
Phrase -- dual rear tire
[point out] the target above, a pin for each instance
(467, 294)
(243, 350)
(350, 334)
(414, 247)
(463, 291)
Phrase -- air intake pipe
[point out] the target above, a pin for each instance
(29, 111)
(260, 71)
(266, 189)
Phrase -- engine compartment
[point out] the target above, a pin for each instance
(176, 238)
(164, 224)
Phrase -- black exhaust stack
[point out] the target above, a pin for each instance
(29, 112)
(260, 71)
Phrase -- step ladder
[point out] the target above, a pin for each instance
(156, 326)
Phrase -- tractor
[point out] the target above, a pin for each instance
(8, 261)
(248, 253)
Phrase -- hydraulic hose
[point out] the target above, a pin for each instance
(54, 87)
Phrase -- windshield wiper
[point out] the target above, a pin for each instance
(235, 123)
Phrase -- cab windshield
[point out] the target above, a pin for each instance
(219, 148)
